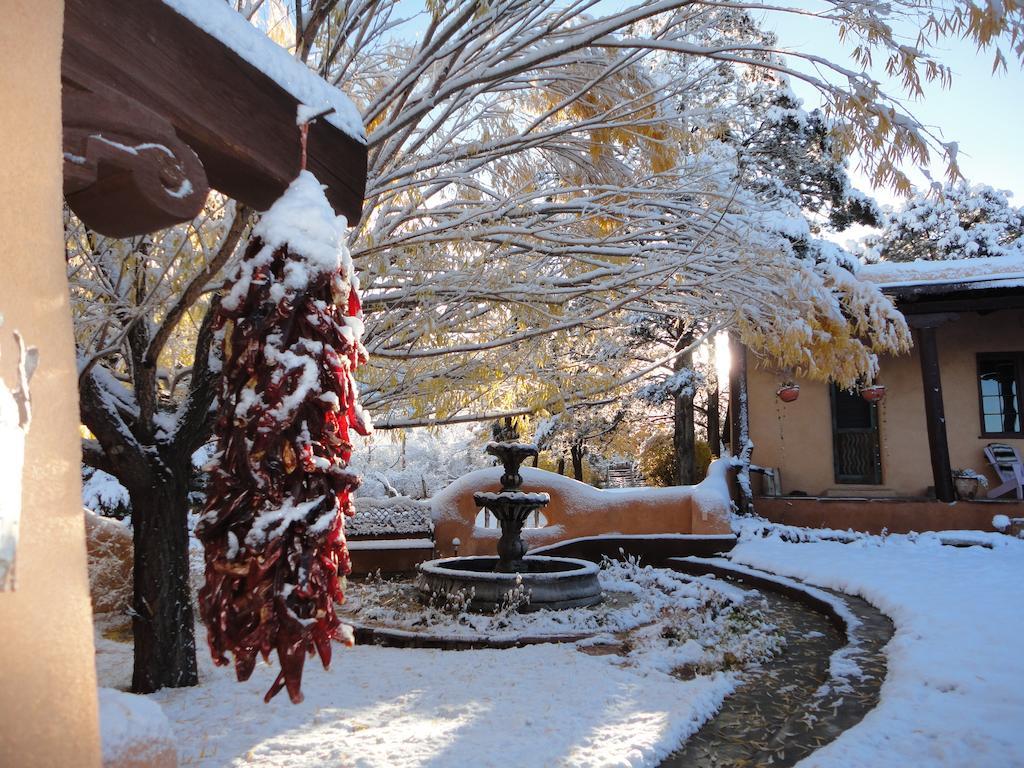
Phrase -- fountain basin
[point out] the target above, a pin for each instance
(553, 582)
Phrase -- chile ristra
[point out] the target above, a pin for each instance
(289, 328)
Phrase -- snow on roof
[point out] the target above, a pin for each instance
(994, 272)
(219, 21)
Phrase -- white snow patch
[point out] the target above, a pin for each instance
(132, 726)
(402, 708)
(1000, 522)
(953, 694)
(102, 492)
(221, 22)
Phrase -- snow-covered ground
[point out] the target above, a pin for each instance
(650, 603)
(954, 695)
(537, 706)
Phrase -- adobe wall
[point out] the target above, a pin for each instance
(577, 509)
(797, 437)
(48, 691)
(876, 515)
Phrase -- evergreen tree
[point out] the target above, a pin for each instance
(960, 222)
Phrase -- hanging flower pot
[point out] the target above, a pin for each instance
(787, 393)
(873, 393)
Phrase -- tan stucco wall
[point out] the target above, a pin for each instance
(577, 509)
(47, 670)
(797, 437)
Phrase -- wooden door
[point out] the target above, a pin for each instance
(855, 441)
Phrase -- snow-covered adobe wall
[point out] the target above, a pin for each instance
(577, 509)
(797, 437)
(47, 668)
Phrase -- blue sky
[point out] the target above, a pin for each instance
(983, 112)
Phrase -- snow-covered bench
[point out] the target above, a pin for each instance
(391, 535)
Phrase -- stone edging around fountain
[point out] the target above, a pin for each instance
(826, 601)
(817, 599)
(400, 638)
(573, 585)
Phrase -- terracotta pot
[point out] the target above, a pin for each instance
(966, 487)
(788, 393)
(874, 393)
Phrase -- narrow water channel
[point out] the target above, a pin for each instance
(774, 717)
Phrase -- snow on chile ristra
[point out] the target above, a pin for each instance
(288, 331)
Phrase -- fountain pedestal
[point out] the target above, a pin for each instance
(550, 582)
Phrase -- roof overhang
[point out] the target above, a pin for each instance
(955, 298)
(949, 286)
(157, 110)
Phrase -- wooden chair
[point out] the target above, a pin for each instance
(1008, 466)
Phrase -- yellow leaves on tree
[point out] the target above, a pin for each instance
(828, 325)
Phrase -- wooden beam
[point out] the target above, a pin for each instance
(979, 302)
(935, 416)
(237, 120)
(126, 172)
(931, 319)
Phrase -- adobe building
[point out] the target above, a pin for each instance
(836, 459)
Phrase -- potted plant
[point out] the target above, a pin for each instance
(967, 483)
(873, 393)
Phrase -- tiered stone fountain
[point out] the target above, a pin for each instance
(547, 582)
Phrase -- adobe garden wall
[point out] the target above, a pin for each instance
(891, 515)
(578, 510)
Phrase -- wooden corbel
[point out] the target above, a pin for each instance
(125, 169)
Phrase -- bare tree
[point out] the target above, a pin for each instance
(148, 419)
(537, 169)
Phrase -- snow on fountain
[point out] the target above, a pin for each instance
(532, 582)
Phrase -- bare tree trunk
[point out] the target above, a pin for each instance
(714, 424)
(561, 464)
(683, 438)
(156, 471)
(163, 623)
(576, 451)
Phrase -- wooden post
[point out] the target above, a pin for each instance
(48, 703)
(935, 416)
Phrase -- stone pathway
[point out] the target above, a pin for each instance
(791, 705)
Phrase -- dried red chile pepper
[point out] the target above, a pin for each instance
(273, 527)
